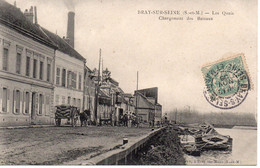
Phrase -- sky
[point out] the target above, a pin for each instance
(167, 54)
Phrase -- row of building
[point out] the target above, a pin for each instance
(40, 70)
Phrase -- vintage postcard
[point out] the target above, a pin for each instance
(140, 82)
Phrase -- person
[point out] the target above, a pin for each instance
(130, 120)
(125, 119)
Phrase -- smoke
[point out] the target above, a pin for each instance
(70, 4)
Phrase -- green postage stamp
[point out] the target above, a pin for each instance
(227, 82)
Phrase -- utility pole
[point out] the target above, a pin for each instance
(84, 85)
(136, 101)
(97, 88)
(176, 116)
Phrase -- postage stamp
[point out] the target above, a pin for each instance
(227, 82)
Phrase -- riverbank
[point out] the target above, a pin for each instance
(163, 149)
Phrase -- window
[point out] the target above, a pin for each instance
(28, 59)
(40, 103)
(17, 101)
(69, 79)
(27, 101)
(34, 68)
(47, 105)
(79, 103)
(57, 100)
(74, 80)
(5, 59)
(74, 102)
(79, 82)
(4, 101)
(58, 76)
(41, 70)
(63, 82)
(18, 63)
(48, 72)
(63, 99)
(69, 100)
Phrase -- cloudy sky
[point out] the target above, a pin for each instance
(168, 54)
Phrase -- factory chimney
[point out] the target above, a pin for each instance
(70, 28)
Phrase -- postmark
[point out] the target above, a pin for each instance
(227, 82)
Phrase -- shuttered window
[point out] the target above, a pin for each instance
(69, 77)
(63, 100)
(79, 104)
(47, 105)
(35, 68)
(41, 70)
(48, 72)
(57, 99)
(5, 59)
(18, 63)
(4, 100)
(79, 82)
(17, 101)
(28, 59)
(58, 76)
(27, 101)
(40, 103)
(74, 102)
(69, 100)
(74, 80)
(63, 78)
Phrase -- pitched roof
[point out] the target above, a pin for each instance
(146, 100)
(63, 46)
(127, 95)
(13, 18)
(113, 81)
(88, 69)
(150, 92)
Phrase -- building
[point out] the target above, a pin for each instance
(89, 92)
(105, 108)
(26, 69)
(129, 103)
(68, 79)
(158, 113)
(147, 106)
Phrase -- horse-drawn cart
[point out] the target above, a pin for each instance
(66, 112)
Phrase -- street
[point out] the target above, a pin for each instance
(60, 145)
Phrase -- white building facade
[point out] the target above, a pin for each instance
(26, 72)
(69, 79)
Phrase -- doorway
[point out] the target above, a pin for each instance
(33, 107)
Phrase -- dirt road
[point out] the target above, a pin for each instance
(60, 145)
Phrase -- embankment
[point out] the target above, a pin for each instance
(162, 149)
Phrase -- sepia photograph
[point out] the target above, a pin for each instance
(117, 82)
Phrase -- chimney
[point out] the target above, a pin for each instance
(70, 28)
(29, 14)
(35, 15)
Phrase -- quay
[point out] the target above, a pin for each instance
(122, 154)
(67, 145)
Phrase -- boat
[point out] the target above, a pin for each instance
(214, 142)
(201, 137)
(188, 144)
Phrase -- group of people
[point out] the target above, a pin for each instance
(129, 120)
(126, 120)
